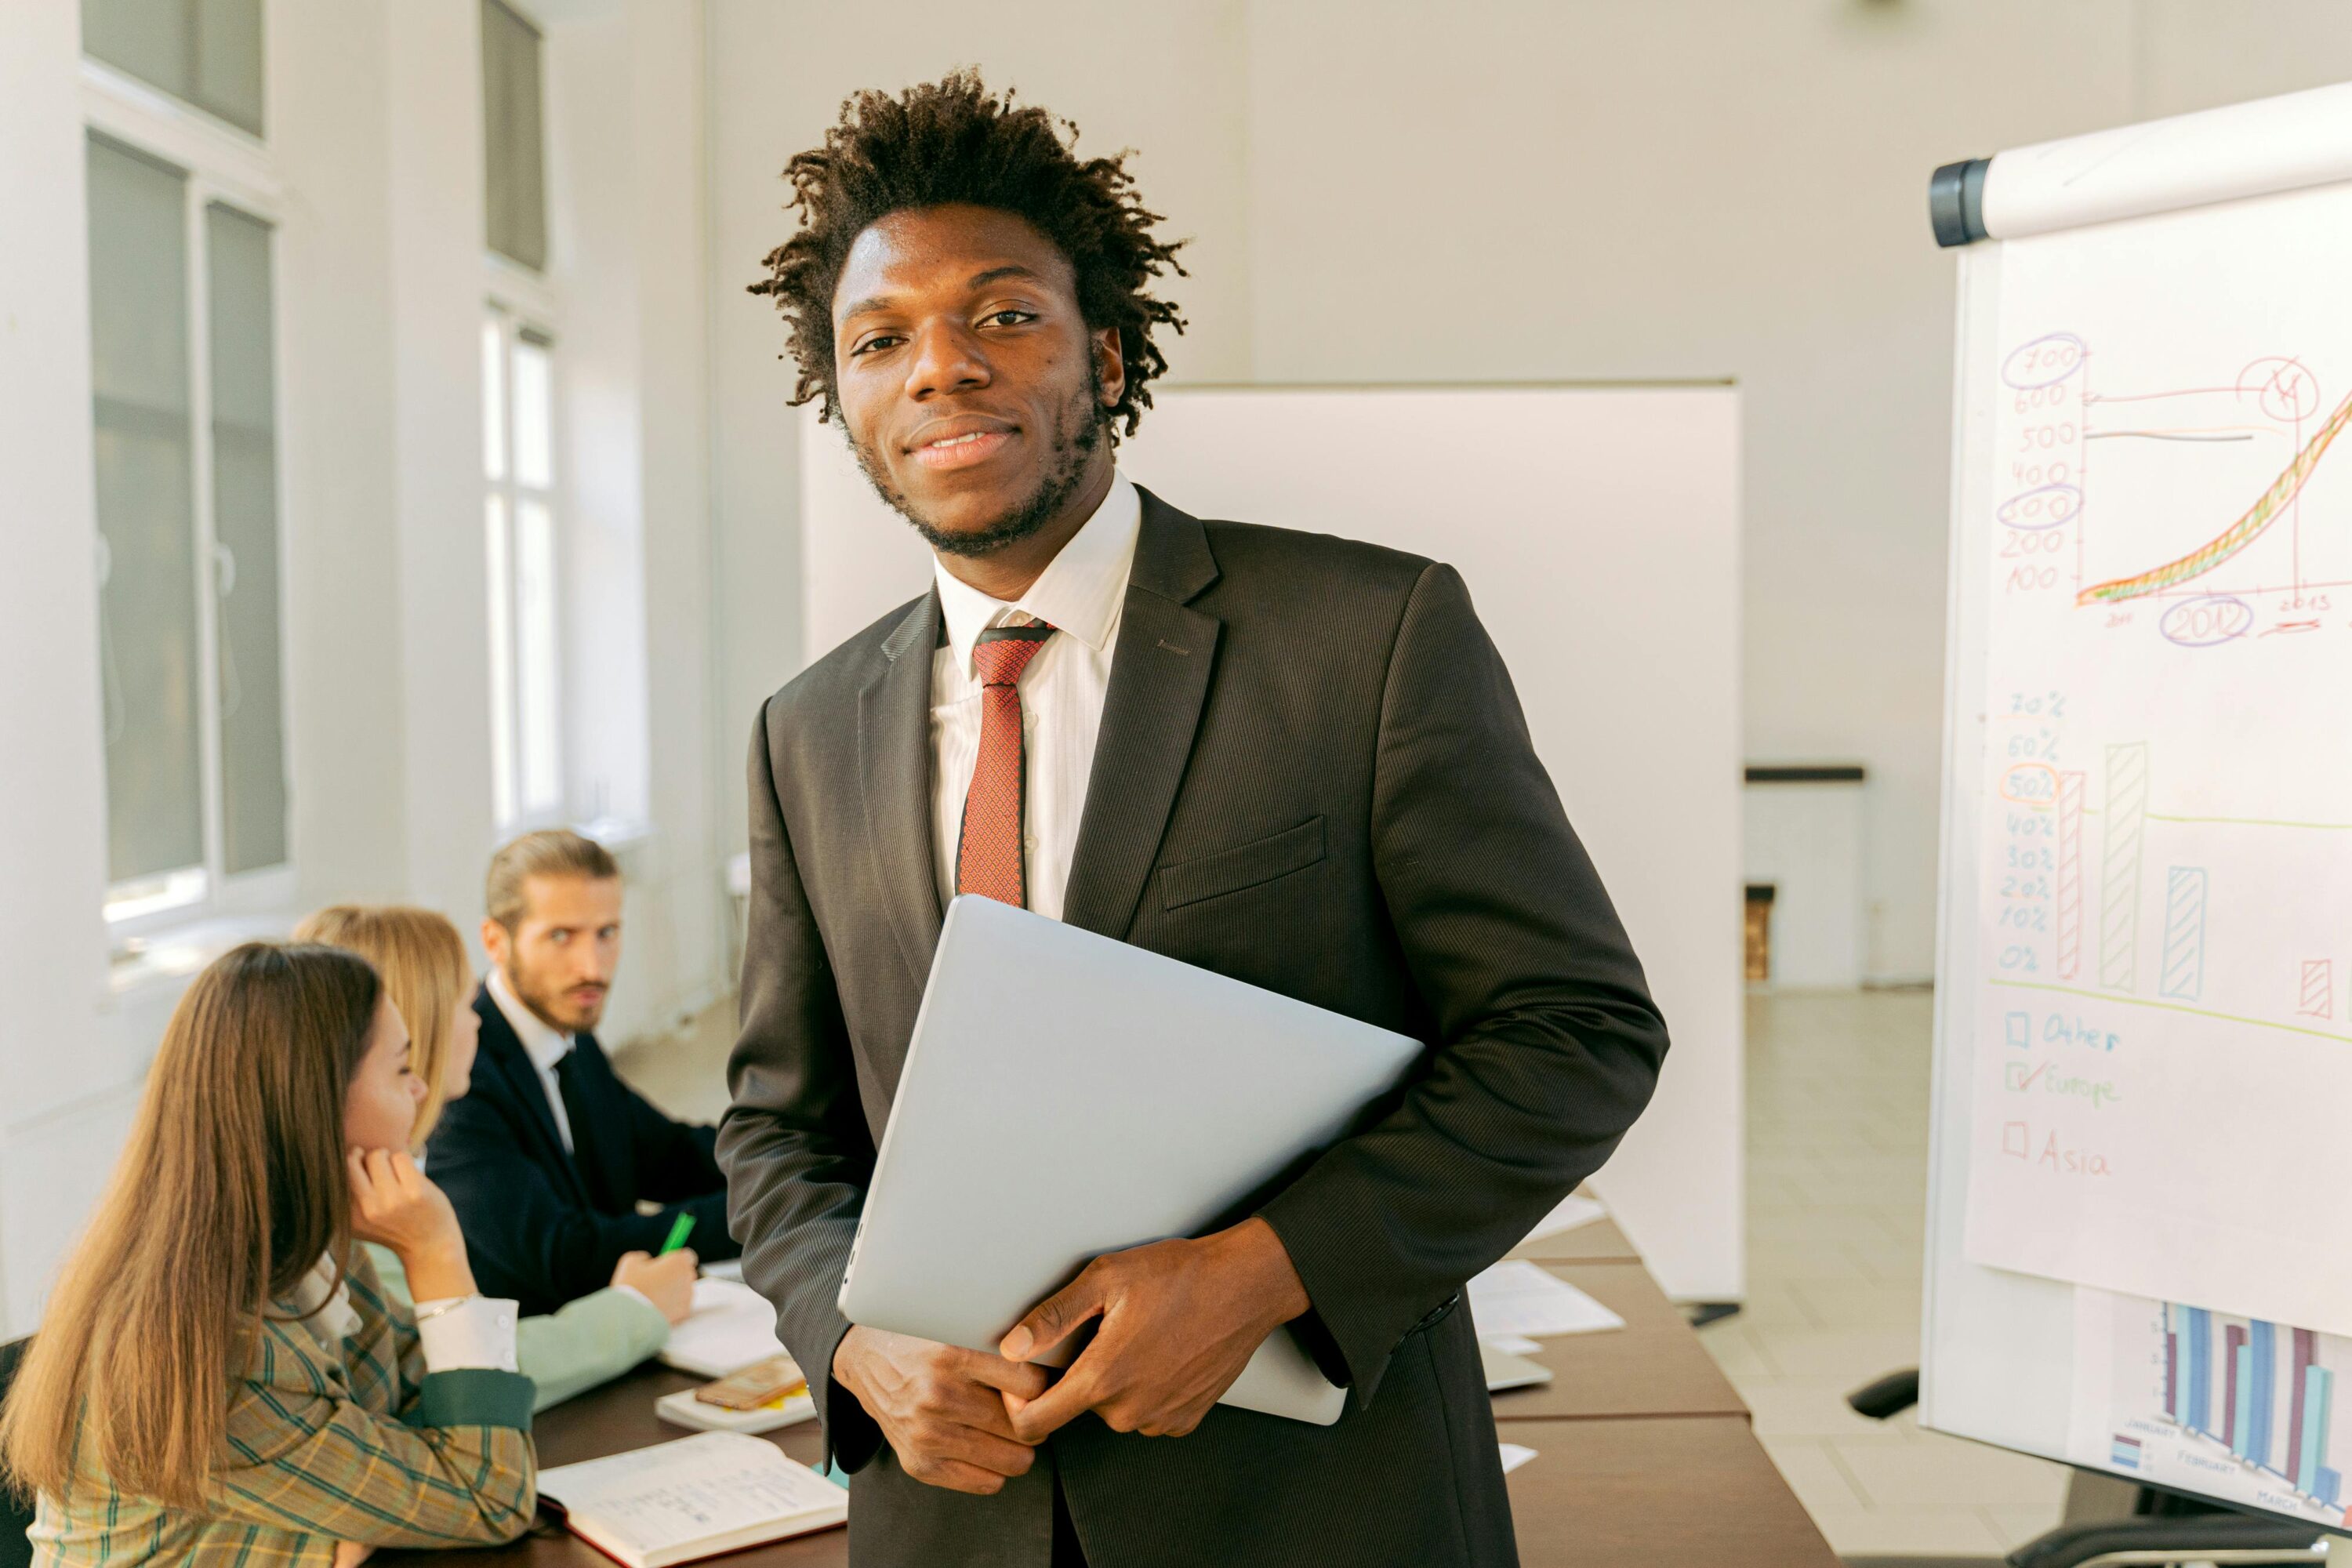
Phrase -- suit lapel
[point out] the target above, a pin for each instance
(503, 1049)
(894, 764)
(1158, 685)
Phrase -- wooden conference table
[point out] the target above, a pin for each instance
(1643, 1454)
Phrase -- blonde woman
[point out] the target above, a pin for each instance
(219, 1378)
(425, 972)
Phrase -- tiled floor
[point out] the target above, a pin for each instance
(1837, 1162)
(1837, 1159)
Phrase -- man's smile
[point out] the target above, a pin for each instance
(960, 442)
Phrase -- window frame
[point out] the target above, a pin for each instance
(520, 308)
(224, 164)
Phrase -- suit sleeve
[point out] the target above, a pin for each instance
(675, 1165)
(794, 1142)
(1547, 1043)
(526, 1239)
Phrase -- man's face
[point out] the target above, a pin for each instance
(559, 959)
(971, 389)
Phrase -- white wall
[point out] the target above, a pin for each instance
(52, 805)
(1395, 191)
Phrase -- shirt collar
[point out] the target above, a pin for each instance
(545, 1046)
(321, 1299)
(1080, 593)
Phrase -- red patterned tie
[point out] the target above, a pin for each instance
(988, 860)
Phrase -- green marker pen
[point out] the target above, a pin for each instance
(677, 1235)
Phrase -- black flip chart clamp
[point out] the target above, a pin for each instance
(1956, 202)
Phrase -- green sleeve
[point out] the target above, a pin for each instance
(589, 1342)
(392, 1275)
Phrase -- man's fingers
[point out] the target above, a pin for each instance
(948, 1454)
(1055, 1409)
(955, 1476)
(985, 1450)
(1019, 1378)
(1052, 1320)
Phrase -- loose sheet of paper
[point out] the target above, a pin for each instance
(1513, 1345)
(1516, 1297)
(1574, 1210)
(2160, 1006)
(2234, 1407)
(1515, 1455)
(732, 1325)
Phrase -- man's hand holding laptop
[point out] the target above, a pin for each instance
(1178, 1321)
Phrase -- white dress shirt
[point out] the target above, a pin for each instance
(1081, 595)
(545, 1048)
(454, 1331)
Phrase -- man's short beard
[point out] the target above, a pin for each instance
(1078, 432)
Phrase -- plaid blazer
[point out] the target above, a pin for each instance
(366, 1446)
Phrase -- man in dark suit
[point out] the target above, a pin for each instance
(1291, 759)
(549, 1156)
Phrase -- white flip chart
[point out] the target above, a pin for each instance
(2144, 1052)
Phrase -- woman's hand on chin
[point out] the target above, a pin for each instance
(393, 1206)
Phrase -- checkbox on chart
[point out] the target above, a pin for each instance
(2020, 1029)
(2016, 1075)
(2016, 1140)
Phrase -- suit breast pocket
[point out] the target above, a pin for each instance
(1245, 866)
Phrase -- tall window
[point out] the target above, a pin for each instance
(185, 419)
(518, 460)
(203, 52)
(515, 172)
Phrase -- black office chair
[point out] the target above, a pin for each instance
(16, 1511)
(2163, 1530)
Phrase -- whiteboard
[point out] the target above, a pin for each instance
(1598, 529)
(2144, 1052)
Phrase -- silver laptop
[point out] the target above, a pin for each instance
(1067, 1095)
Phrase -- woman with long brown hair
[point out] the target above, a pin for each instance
(427, 975)
(218, 1377)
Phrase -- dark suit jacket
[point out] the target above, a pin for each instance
(1312, 774)
(543, 1227)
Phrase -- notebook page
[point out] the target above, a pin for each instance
(678, 1494)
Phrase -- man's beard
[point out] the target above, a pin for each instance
(548, 1006)
(1076, 434)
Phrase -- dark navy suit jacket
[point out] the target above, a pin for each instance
(544, 1227)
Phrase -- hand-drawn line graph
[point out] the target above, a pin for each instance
(2249, 527)
(2135, 510)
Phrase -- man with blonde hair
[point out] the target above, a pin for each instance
(550, 1158)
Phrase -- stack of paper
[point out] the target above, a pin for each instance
(696, 1497)
(1520, 1298)
(683, 1409)
(732, 1325)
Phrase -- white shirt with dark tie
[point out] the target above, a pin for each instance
(1081, 595)
(544, 1046)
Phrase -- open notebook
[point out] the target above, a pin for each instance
(696, 1497)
